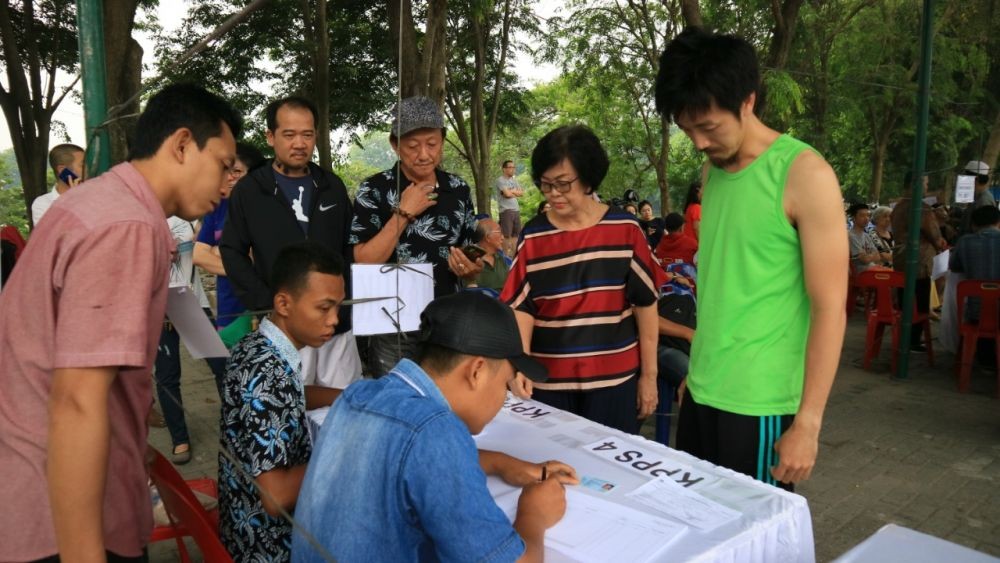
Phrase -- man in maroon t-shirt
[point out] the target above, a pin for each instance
(81, 318)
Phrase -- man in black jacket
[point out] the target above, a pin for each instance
(287, 202)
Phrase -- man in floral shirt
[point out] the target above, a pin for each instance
(264, 436)
(414, 213)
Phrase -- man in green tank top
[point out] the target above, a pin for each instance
(773, 263)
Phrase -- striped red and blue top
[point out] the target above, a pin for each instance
(580, 287)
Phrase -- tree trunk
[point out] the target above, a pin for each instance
(878, 167)
(661, 169)
(422, 68)
(786, 19)
(992, 150)
(691, 12)
(123, 68)
(28, 105)
(318, 28)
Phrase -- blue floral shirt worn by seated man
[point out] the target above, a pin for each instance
(396, 477)
(263, 427)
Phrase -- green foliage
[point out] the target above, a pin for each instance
(12, 210)
(268, 56)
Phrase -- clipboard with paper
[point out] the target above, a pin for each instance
(389, 298)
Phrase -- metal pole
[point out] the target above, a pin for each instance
(917, 193)
(90, 24)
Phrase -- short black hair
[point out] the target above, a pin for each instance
(439, 360)
(699, 67)
(578, 144)
(249, 155)
(985, 216)
(854, 208)
(63, 154)
(294, 263)
(182, 106)
(294, 102)
(644, 203)
(505, 163)
(673, 222)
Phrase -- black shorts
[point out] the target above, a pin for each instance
(740, 442)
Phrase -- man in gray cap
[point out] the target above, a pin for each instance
(414, 212)
(984, 198)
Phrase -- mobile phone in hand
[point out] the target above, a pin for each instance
(67, 176)
(474, 252)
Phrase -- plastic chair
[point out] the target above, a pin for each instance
(187, 517)
(886, 313)
(988, 293)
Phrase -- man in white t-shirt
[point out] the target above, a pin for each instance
(66, 161)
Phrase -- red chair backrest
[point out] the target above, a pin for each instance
(184, 508)
(988, 293)
(883, 282)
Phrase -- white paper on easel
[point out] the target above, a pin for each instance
(965, 189)
(940, 264)
(193, 325)
(413, 284)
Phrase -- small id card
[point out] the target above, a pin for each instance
(599, 485)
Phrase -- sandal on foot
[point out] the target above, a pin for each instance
(183, 456)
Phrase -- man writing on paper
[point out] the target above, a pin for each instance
(430, 219)
(263, 425)
(396, 472)
(288, 201)
(81, 319)
(772, 269)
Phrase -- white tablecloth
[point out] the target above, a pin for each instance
(775, 525)
(896, 543)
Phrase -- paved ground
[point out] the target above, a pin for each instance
(913, 452)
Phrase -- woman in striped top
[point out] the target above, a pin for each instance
(584, 287)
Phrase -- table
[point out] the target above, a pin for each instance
(897, 543)
(774, 526)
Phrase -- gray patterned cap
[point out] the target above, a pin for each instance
(417, 112)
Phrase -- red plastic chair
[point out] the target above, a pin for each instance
(187, 517)
(853, 290)
(886, 314)
(988, 293)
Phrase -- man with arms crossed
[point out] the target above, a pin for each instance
(510, 210)
(772, 279)
(81, 319)
(396, 475)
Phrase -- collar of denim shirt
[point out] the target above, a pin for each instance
(414, 376)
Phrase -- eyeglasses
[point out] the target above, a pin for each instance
(238, 172)
(561, 186)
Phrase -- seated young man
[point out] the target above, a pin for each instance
(676, 245)
(396, 475)
(263, 427)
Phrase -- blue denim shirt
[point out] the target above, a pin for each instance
(395, 476)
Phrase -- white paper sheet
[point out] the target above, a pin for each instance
(594, 529)
(965, 189)
(193, 325)
(940, 264)
(665, 495)
(415, 286)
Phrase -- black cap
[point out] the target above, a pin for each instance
(471, 323)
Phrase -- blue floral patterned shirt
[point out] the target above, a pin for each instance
(449, 222)
(263, 427)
